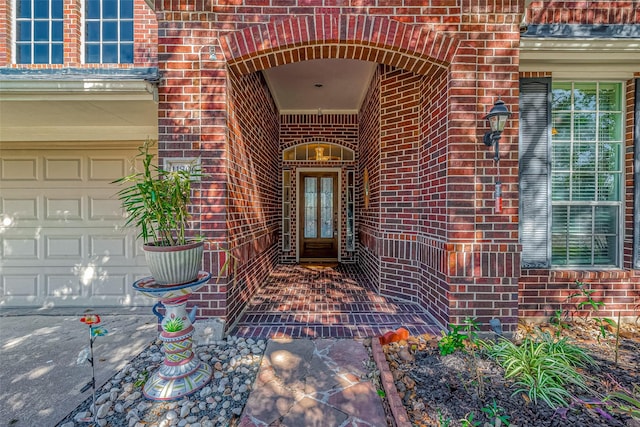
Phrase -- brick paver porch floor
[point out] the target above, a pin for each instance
(314, 301)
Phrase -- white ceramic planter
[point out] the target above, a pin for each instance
(174, 265)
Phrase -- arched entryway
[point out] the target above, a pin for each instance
(417, 159)
(386, 132)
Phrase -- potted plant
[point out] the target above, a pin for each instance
(157, 203)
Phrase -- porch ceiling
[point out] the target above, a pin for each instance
(329, 86)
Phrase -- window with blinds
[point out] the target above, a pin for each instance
(587, 131)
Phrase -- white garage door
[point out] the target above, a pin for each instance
(61, 236)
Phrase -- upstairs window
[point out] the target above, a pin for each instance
(39, 32)
(108, 32)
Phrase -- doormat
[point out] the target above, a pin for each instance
(319, 265)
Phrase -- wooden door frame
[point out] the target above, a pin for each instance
(300, 171)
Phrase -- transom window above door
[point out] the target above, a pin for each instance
(319, 152)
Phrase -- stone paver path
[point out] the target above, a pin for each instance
(314, 383)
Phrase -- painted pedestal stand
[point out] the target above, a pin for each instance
(181, 372)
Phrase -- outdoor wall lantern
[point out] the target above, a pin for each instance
(497, 118)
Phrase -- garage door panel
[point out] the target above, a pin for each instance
(17, 208)
(63, 241)
(93, 169)
(104, 208)
(63, 247)
(113, 248)
(52, 247)
(63, 169)
(60, 287)
(107, 168)
(111, 285)
(19, 168)
(62, 207)
(20, 285)
(20, 248)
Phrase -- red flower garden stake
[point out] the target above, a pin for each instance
(91, 320)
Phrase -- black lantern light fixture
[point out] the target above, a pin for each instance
(497, 118)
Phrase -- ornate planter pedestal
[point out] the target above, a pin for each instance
(181, 372)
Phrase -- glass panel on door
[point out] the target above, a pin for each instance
(326, 207)
(310, 207)
(319, 216)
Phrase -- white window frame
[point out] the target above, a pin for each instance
(32, 42)
(621, 190)
(118, 43)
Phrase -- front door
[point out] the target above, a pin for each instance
(319, 216)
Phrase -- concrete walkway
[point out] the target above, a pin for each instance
(314, 383)
(40, 380)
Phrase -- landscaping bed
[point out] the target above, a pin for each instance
(468, 387)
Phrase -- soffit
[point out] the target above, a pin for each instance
(77, 110)
(566, 58)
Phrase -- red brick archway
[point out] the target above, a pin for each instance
(440, 69)
(370, 38)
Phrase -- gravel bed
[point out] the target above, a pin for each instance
(234, 361)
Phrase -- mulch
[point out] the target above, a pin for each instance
(443, 390)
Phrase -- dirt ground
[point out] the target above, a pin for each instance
(444, 390)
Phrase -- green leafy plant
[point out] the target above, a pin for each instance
(471, 326)
(468, 421)
(452, 340)
(602, 323)
(157, 200)
(458, 336)
(494, 411)
(174, 325)
(543, 367)
(559, 321)
(591, 305)
(585, 292)
(442, 421)
(625, 402)
(141, 379)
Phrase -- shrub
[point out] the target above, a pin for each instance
(543, 366)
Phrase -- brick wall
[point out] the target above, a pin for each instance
(400, 184)
(5, 33)
(368, 216)
(145, 38)
(433, 288)
(254, 196)
(584, 12)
